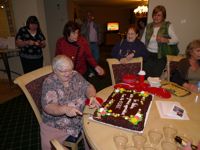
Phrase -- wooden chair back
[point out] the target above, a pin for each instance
(55, 144)
(118, 70)
(31, 85)
(172, 62)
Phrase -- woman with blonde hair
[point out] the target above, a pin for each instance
(187, 73)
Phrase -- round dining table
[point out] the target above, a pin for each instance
(100, 136)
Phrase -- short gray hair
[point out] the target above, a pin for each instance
(61, 60)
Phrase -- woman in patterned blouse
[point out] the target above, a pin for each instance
(63, 99)
(31, 40)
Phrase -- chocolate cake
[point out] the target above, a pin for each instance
(125, 108)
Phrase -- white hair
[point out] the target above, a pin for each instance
(60, 61)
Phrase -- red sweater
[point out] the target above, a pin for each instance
(78, 51)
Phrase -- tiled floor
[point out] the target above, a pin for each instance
(19, 129)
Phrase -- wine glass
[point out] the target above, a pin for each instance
(155, 137)
(148, 148)
(166, 145)
(139, 140)
(120, 141)
(131, 148)
(169, 133)
(197, 92)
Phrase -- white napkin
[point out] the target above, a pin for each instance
(165, 109)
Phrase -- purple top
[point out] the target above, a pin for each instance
(123, 48)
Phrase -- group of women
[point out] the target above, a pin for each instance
(158, 40)
(64, 91)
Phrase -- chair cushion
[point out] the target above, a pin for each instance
(35, 89)
(119, 70)
(73, 139)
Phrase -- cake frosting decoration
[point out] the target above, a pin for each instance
(125, 108)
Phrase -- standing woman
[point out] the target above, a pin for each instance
(31, 40)
(75, 46)
(159, 38)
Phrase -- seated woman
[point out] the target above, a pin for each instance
(63, 99)
(187, 73)
(130, 47)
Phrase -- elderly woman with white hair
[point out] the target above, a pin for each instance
(63, 99)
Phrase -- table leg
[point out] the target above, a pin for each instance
(7, 67)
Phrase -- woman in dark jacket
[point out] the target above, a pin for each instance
(187, 73)
(130, 47)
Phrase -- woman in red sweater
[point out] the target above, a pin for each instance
(75, 46)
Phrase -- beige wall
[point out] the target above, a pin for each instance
(184, 15)
(56, 17)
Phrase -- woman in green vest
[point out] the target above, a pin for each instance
(160, 40)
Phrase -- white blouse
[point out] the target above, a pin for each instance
(153, 45)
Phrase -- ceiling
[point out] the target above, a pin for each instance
(110, 2)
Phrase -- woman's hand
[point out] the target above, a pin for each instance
(190, 87)
(126, 59)
(161, 39)
(99, 70)
(42, 44)
(188, 146)
(29, 42)
(71, 111)
(93, 102)
(130, 56)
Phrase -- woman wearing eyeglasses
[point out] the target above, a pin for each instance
(63, 99)
(160, 39)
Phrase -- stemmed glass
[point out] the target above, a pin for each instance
(155, 137)
(139, 140)
(166, 145)
(197, 93)
(120, 141)
(169, 132)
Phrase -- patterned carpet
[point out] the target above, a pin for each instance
(19, 128)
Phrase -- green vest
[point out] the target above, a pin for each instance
(163, 48)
